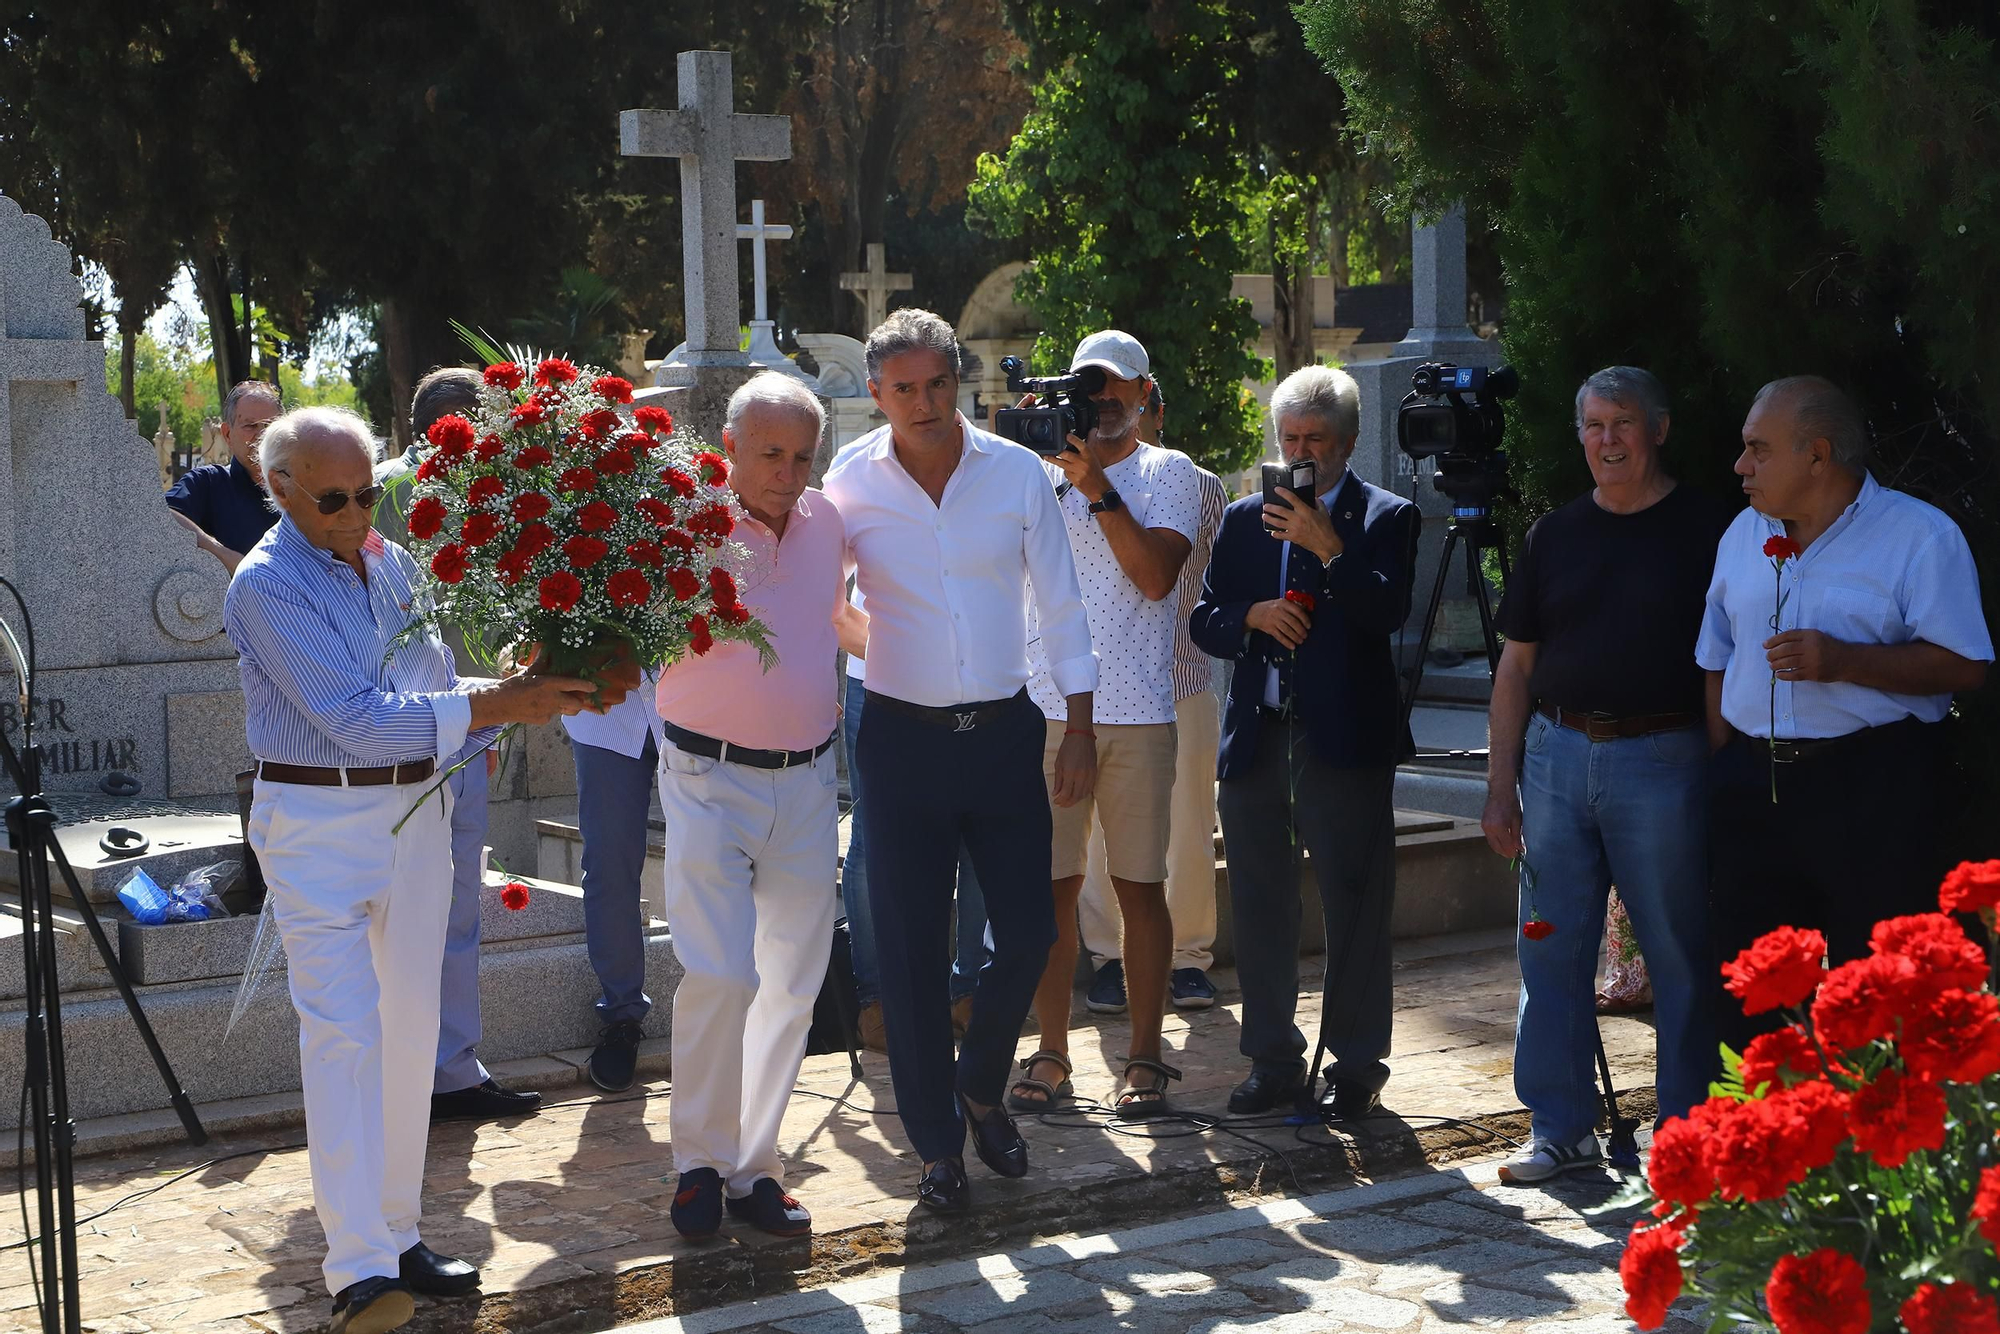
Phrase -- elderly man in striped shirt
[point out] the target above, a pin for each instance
(347, 735)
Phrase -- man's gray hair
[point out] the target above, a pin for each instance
(1628, 387)
(291, 435)
(775, 389)
(910, 330)
(1821, 410)
(446, 390)
(248, 389)
(1319, 391)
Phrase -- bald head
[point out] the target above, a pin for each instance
(310, 453)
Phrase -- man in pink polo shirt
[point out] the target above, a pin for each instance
(747, 786)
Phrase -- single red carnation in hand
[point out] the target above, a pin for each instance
(596, 517)
(617, 462)
(1681, 1168)
(714, 468)
(426, 517)
(514, 895)
(530, 413)
(1986, 1206)
(504, 374)
(1537, 928)
(1860, 1000)
(1952, 1034)
(645, 553)
(535, 538)
(578, 479)
(479, 529)
(559, 591)
(554, 371)
(678, 482)
(449, 563)
(1971, 886)
(1779, 1059)
(1949, 1308)
(1895, 1116)
(484, 489)
(657, 512)
(1780, 968)
(1780, 547)
(699, 639)
(452, 434)
(683, 582)
(628, 588)
(735, 613)
(612, 388)
(1822, 1293)
(1301, 597)
(654, 420)
(534, 456)
(529, 506)
(1650, 1268)
(722, 584)
(598, 423)
(584, 552)
(1944, 955)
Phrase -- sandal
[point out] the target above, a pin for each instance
(1139, 1102)
(1051, 1093)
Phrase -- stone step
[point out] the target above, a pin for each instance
(178, 844)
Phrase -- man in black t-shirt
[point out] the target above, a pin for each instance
(1598, 765)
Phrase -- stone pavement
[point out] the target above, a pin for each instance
(1421, 1253)
(566, 1212)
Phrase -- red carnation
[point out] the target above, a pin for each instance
(560, 591)
(1764, 1146)
(1952, 1034)
(490, 448)
(449, 563)
(635, 442)
(1780, 548)
(554, 371)
(1895, 1116)
(584, 552)
(578, 479)
(1944, 955)
(733, 612)
(426, 517)
(479, 529)
(1537, 928)
(434, 466)
(679, 482)
(657, 512)
(483, 490)
(534, 456)
(714, 468)
(683, 583)
(613, 388)
(655, 420)
(628, 588)
(715, 522)
(645, 553)
(1970, 887)
(504, 375)
(1949, 1308)
(1300, 597)
(678, 540)
(513, 567)
(722, 584)
(1681, 1168)
(596, 517)
(698, 637)
(535, 538)
(1822, 1293)
(1858, 1002)
(598, 423)
(1651, 1271)
(1780, 968)
(530, 413)
(615, 461)
(514, 895)
(1986, 1206)
(452, 434)
(530, 505)
(1779, 1059)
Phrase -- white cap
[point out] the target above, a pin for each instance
(1115, 352)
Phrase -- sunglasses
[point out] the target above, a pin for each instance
(333, 502)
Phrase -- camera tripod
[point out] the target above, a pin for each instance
(1473, 529)
(31, 830)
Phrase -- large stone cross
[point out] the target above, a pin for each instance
(873, 286)
(709, 138)
(756, 232)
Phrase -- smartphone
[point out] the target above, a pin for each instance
(1298, 476)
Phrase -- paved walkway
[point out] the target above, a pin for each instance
(566, 1212)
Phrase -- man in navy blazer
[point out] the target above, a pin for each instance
(1304, 599)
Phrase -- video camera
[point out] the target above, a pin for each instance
(1065, 409)
(1453, 414)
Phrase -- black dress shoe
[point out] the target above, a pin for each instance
(436, 1275)
(1350, 1102)
(1264, 1091)
(372, 1306)
(944, 1188)
(484, 1102)
(998, 1141)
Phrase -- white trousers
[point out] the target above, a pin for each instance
(751, 901)
(362, 914)
(1190, 850)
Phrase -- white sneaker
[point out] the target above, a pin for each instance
(1545, 1158)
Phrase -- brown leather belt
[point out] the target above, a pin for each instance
(1599, 728)
(313, 775)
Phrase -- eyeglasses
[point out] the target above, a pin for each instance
(333, 502)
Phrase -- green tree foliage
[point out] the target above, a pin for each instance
(1125, 182)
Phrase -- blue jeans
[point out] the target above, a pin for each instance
(973, 946)
(613, 793)
(1631, 812)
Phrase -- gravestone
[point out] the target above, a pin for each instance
(873, 286)
(135, 673)
(164, 446)
(763, 350)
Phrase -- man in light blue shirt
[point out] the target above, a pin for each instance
(1827, 677)
(347, 725)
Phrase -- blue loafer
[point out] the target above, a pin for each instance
(697, 1209)
(769, 1209)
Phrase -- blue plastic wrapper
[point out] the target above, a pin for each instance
(144, 899)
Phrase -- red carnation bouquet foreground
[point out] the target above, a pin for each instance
(1845, 1175)
(549, 517)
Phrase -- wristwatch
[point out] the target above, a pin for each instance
(1112, 501)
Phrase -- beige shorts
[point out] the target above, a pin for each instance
(1133, 801)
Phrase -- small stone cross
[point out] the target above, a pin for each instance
(756, 232)
(873, 286)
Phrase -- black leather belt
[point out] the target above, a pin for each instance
(313, 775)
(954, 718)
(1806, 748)
(1599, 727)
(694, 743)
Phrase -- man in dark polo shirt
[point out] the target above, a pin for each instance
(1598, 765)
(225, 506)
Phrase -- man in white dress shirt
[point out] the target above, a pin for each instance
(949, 530)
(1825, 814)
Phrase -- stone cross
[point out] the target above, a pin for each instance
(756, 232)
(873, 285)
(710, 139)
(163, 446)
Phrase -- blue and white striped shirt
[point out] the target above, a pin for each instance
(319, 684)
